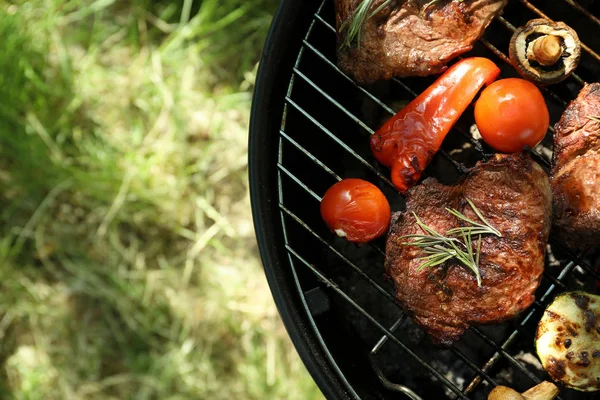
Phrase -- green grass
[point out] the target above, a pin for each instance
(128, 264)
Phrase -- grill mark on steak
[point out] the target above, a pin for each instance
(513, 194)
(575, 172)
(403, 41)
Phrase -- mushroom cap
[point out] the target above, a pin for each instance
(520, 44)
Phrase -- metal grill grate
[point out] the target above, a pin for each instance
(324, 134)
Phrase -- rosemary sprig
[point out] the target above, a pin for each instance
(353, 24)
(476, 228)
(595, 118)
(456, 243)
(356, 21)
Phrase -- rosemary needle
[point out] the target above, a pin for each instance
(361, 14)
(353, 24)
(595, 118)
(457, 243)
(476, 227)
(356, 21)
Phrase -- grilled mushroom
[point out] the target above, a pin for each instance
(543, 391)
(545, 52)
(568, 340)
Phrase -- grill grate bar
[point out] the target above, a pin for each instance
(326, 23)
(324, 167)
(476, 381)
(496, 357)
(353, 117)
(543, 15)
(507, 356)
(331, 284)
(350, 80)
(582, 10)
(384, 380)
(555, 281)
(355, 267)
(384, 338)
(579, 259)
(299, 182)
(311, 318)
(340, 142)
(480, 373)
(310, 156)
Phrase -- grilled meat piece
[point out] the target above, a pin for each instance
(575, 173)
(513, 193)
(405, 39)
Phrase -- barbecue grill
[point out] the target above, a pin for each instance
(310, 128)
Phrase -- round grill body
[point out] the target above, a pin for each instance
(310, 127)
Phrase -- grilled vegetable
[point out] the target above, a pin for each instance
(356, 209)
(410, 139)
(568, 340)
(543, 391)
(545, 52)
(511, 114)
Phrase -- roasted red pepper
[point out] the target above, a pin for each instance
(410, 139)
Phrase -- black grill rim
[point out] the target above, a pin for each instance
(281, 48)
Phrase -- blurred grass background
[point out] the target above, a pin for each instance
(128, 263)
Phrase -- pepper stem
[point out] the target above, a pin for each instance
(546, 50)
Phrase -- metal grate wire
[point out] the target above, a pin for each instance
(291, 221)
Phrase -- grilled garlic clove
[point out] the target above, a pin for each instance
(568, 340)
(504, 393)
(543, 391)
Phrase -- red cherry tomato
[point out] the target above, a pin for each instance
(356, 209)
(511, 114)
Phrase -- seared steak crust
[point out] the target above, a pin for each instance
(406, 40)
(513, 194)
(575, 173)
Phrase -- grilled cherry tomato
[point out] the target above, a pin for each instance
(511, 114)
(356, 209)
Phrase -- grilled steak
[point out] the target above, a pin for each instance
(409, 39)
(513, 193)
(575, 173)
